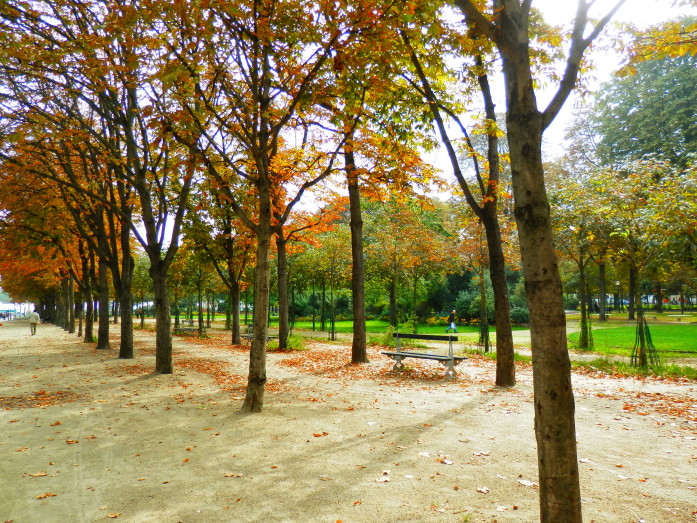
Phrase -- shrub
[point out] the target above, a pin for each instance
(520, 316)
(294, 343)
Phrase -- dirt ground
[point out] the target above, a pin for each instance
(88, 437)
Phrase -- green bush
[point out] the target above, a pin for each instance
(520, 316)
(571, 303)
(294, 343)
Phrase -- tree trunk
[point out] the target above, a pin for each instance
(602, 298)
(71, 305)
(631, 293)
(254, 398)
(505, 361)
(235, 310)
(283, 304)
(89, 277)
(659, 297)
(125, 295)
(483, 313)
(359, 352)
(103, 297)
(163, 318)
(393, 300)
(583, 337)
(560, 497)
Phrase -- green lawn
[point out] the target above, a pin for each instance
(378, 326)
(673, 340)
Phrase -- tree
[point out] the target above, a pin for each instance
(237, 98)
(651, 112)
(81, 66)
(578, 227)
(636, 203)
(486, 205)
(668, 40)
(508, 24)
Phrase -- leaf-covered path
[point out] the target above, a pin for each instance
(88, 437)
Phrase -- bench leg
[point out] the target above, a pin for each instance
(450, 372)
(398, 364)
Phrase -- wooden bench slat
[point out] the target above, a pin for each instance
(423, 355)
(449, 360)
(431, 337)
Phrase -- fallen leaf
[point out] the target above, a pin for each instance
(113, 515)
(56, 424)
(39, 474)
(483, 490)
(46, 495)
(527, 483)
(232, 475)
(72, 441)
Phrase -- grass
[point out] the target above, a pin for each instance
(612, 366)
(669, 339)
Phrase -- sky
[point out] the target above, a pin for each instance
(641, 13)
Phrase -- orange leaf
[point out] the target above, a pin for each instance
(46, 495)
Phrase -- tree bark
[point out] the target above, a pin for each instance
(163, 318)
(235, 310)
(254, 398)
(283, 302)
(555, 428)
(602, 299)
(505, 355)
(359, 352)
(631, 293)
(103, 297)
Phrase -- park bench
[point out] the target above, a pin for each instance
(448, 360)
(250, 334)
(187, 327)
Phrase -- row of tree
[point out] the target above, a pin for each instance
(119, 118)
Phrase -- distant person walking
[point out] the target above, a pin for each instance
(451, 322)
(34, 320)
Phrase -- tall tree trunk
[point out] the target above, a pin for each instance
(254, 398)
(126, 306)
(659, 297)
(631, 293)
(71, 305)
(125, 282)
(555, 428)
(483, 313)
(585, 337)
(103, 297)
(505, 355)
(283, 304)
(163, 318)
(79, 313)
(393, 300)
(88, 278)
(359, 352)
(602, 298)
(234, 296)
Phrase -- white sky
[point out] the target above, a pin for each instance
(641, 13)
